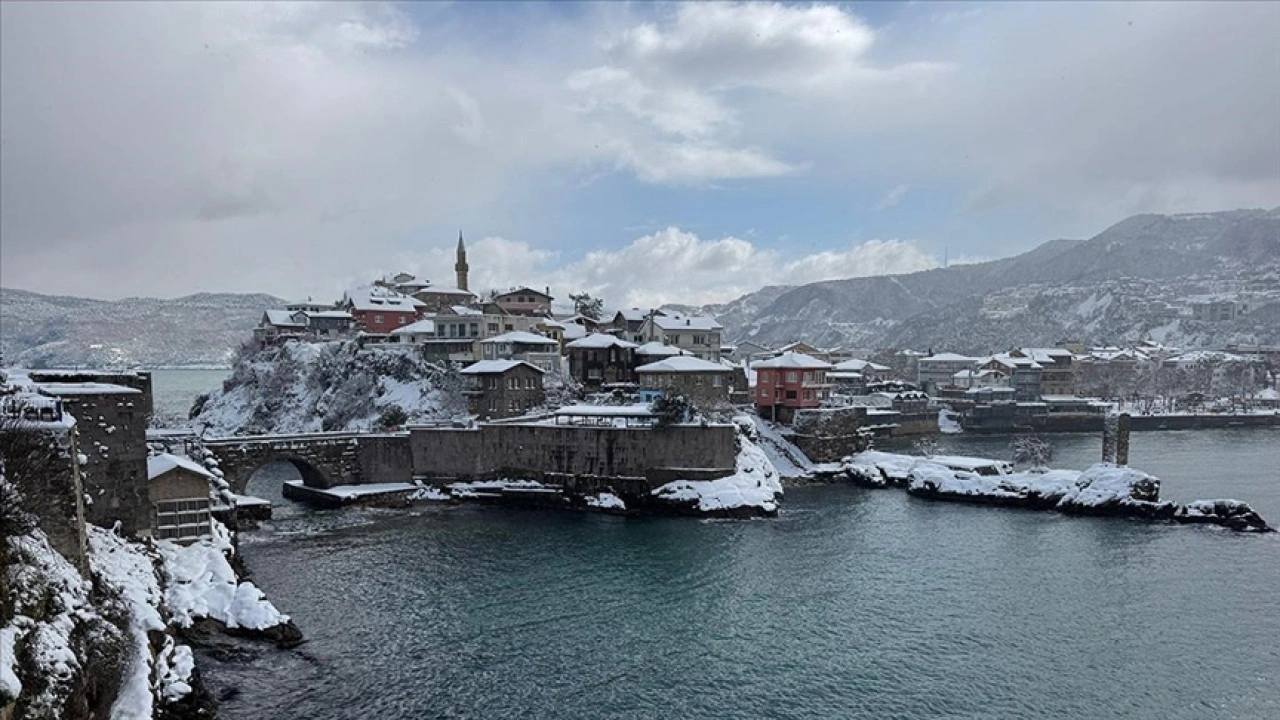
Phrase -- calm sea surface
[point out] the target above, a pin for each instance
(852, 603)
(175, 390)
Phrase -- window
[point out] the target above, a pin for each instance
(791, 394)
(808, 394)
(697, 339)
(511, 383)
(675, 339)
(182, 519)
(508, 327)
(377, 320)
(717, 381)
(764, 376)
(475, 329)
(791, 377)
(493, 383)
(764, 392)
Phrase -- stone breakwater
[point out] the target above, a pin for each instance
(1102, 490)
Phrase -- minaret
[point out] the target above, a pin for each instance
(461, 266)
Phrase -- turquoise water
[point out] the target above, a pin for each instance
(852, 603)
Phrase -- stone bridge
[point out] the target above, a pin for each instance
(324, 460)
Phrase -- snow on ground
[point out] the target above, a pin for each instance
(201, 584)
(787, 459)
(348, 492)
(129, 569)
(42, 583)
(430, 493)
(606, 501)
(754, 484)
(10, 685)
(946, 425)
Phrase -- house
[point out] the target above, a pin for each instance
(532, 348)
(1057, 375)
(600, 359)
(974, 378)
(277, 323)
(803, 348)
(936, 371)
(562, 331)
(700, 335)
(654, 351)
(307, 305)
(627, 322)
(178, 488)
(1218, 310)
(750, 351)
(414, 333)
(377, 310)
(870, 371)
(502, 388)
(701, 382)
(435, 298)
(525, 301)
(327, 323)
(788, 383)
(1024, 374)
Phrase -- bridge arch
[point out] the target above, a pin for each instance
(322, 460)
(312, 476)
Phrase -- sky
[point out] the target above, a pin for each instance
(645, 153)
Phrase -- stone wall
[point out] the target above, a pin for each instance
(829, 434)
(112, 431)
(547, 451)
(385, 458)
(56, 498)
(139, 380)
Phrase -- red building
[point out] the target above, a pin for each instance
(525, 301)
(790, 382)
(378, 311)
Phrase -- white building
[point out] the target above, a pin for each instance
(937, 370)
(699, 335)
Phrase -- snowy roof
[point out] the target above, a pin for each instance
(793, 360)
(860, 365)
(445, 290)
(657, 348)
(949, 357)
(464, 310)
(520, 337)
(87, 388)
(637, 410)
(1015, 362)
(573, 331)
(281, 317)
(682, 364)
(600, 341)
(685, 322)
(522, 290)
(340, 314)
(494, 367)
(421, 327)
(158, 465)
(1046, 355)
(1196, 356)
(632, 314)
(969, 374)
(380, 298)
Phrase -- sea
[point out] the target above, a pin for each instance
(852, 603)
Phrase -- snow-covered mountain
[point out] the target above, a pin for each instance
(56, 331)
(1134, 280)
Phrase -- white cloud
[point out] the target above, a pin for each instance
(893, 197)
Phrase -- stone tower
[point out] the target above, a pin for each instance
(461, 266)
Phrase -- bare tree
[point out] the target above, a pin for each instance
(1033, 451)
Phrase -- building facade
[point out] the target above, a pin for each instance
(502, 388)
(788, 383)
(601, 359)
(698, 335)
(703, 383)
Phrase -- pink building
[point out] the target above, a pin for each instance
(790, 382)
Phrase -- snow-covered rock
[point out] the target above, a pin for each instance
(753, 489)
(605, 501)
(304, 386)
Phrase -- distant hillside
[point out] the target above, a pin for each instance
(1132, 281)
(56, 331)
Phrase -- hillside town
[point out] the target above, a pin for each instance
(510, 343)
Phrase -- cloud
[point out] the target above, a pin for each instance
(165, 148)
(893, 197)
